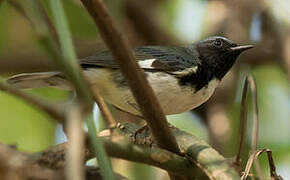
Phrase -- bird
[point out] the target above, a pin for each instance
(182, 77)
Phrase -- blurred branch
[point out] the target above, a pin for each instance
(255, 133)
(15, 165)
(121, 148)
(143, 93)
(254, 157)
(99, 150)
(69, 63)
(243, 117)
(35, 14)
(53, 110)
(75, 152)
(145, 24)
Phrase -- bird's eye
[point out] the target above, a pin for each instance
(218, 43)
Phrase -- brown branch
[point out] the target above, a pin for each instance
(108, 117)
(15, 165)
(200, 160)
(143, 93)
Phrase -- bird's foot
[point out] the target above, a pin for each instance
(140, 131)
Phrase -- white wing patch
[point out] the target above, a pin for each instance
(185, 71)
(146, 63)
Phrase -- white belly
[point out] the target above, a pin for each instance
(173, 98)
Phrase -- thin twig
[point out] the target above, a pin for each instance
(110, 121)
(75, 150)
(254, 157)
(54, 111)
(255, 133)
(243, 122)
(249, 81)
(143, 93)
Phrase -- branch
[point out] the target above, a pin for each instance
(145, 24)
(18, 166)
(143, 93)
(254, 157)
(201, 154)
(108, 117)
(200, 158)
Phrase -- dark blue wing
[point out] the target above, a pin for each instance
(149, 57)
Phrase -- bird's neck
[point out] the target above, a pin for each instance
(218, 65)
(198, 79)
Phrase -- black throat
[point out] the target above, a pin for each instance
(208, 70)
(198, 79)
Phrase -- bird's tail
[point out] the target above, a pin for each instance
(39, 79)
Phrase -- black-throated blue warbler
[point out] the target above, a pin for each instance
(183, 77)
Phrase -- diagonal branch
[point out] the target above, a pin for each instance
(141, 16)
(107, 115)
(143, 93)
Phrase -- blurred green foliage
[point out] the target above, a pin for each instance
(33, 130)
(25, 126)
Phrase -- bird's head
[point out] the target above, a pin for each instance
(219, 54)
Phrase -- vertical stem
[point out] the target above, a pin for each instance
(69, 64)
(101, 155)
(75, 151)
(243, 122)
(71, 68)
(255, 133)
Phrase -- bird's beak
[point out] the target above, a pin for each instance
(242, 48)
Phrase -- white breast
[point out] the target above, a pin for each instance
(173, 98)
